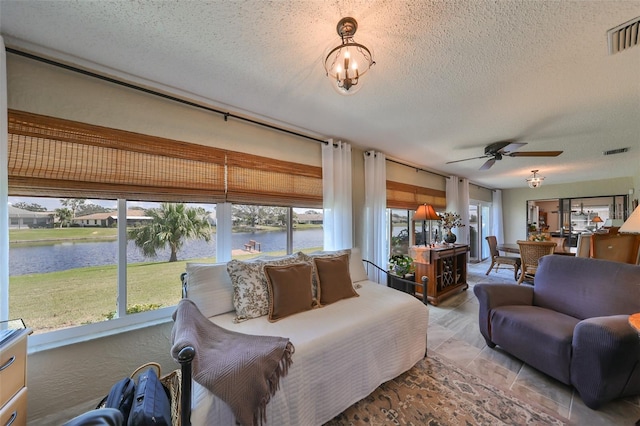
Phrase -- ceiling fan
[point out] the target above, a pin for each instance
(497, 150)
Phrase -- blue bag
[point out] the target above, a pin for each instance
(120, 397)
(151, 403)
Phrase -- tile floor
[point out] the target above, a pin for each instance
(453, 333)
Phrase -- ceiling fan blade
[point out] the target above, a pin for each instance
(488, 164)
(467, 159)
(511, 147)
(535, 154)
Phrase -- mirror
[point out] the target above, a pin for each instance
(569, 217)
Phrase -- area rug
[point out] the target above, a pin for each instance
(437, 393)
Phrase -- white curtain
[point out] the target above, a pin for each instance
(497, 226)
(452, 197)
(463, 210)
(375, 207)
(458, 202)
(4, 189)
(224, 222)
(336, 192)
(452, 194)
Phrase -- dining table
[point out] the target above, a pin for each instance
(515, 248)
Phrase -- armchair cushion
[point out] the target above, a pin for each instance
(516, 327)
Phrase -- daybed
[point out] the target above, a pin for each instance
(572, 324)
(343, 350)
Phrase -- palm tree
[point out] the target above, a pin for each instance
(171, 224)
(64, 216)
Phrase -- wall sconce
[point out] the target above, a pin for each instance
(425, 212)
(346, 63)
(534, 181)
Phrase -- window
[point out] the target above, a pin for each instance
(66, 275)
(111, 174)
(400, 229)
(261, 230)
(402, 200)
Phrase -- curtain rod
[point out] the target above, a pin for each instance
(225, 114)
(416, 168)
(480, 186)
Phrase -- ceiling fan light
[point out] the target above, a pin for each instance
(534, 181)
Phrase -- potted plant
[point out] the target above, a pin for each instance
(401, 264)
(450, 220)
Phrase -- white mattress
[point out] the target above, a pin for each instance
(342, 353)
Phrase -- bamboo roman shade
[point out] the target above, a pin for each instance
(406, 196)
(278, 183)
(52, 157)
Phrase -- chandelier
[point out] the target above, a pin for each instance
(347, 62)
(534, 181)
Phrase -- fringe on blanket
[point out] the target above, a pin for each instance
(260, 417)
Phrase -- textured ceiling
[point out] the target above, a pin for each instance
(450, 76)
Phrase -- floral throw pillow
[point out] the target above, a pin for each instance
(250, 292)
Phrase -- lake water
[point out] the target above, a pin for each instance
(35, 259)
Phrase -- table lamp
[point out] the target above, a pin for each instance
(597, 220)
(632, 224)
(425, 212)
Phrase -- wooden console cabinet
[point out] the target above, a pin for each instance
(13, 380)
(444, 266)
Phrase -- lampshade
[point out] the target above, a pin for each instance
(632, 224)
(534, 181)
(597, 219)
(425, 212)
(347, 62)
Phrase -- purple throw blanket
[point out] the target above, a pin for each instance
(242, 370)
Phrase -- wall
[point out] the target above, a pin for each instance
(514, 201)
(74, 377)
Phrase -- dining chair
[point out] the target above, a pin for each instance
(583, 248)
(561, 242)
(497, 260)
(616, 247)
(530, 254)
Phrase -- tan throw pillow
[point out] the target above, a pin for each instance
(289, 289)
(250, 293)
(334, 281)
(310, 256)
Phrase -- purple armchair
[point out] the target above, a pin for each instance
(572, 324)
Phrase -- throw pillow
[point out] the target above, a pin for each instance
(209, 286)
(250, 293)
(322, 254)
(289, 289)
(334, 281)
(356, 267)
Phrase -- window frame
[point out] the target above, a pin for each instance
(85, 177)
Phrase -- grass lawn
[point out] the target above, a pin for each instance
(86, 295)
(79, 296)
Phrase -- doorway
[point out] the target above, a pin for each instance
(479, 220)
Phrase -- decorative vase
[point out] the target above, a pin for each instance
(450, 237)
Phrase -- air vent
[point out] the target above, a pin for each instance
(624, 36)
(615, 151)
